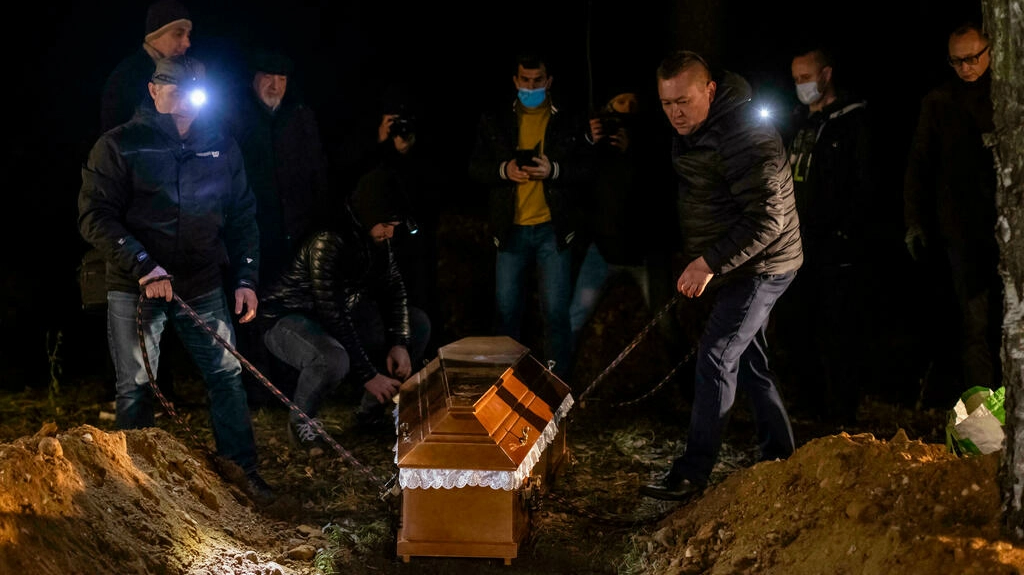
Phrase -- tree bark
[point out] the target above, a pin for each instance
(1004, 23)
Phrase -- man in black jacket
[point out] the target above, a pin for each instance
(286, 167)
(949, 193)
(530, 158)
(822, 320)
(339, 311)
(741, 234)
(168, 33)
(165, 200)
(285, 162)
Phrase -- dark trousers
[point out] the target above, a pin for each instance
(321, 360)
(821, 325)
(732, 356)
(979, 296)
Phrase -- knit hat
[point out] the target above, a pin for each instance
(164, 15)
(178, 70)
(379, 198)
(270, 62)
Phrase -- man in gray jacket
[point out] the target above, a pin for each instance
(741, 236)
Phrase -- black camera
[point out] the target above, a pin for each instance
(611, 123)
(403, 125)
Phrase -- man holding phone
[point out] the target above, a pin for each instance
(531, 157)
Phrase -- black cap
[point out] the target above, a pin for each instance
(178, 70)
(270, 62)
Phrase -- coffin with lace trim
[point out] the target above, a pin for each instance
(481, 435)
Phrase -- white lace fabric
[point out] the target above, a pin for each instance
(432, 478)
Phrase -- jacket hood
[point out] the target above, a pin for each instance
(733, 91)
(379, 198)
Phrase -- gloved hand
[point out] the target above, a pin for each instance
(916, 242)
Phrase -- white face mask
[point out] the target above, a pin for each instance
(808, 92)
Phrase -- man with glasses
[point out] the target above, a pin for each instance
(949, 201)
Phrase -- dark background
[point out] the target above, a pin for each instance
(458, 56)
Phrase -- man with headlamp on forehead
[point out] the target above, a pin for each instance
(164, 198)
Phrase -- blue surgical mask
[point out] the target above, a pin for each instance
(808, 93)
(531, 98)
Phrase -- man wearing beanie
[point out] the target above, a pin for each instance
(340, 312)
(164, 199)
(168, 31)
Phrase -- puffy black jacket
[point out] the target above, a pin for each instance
(332, 272)
(497, 138)
(150, 198)
(736, 204)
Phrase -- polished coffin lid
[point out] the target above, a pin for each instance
(480, 414)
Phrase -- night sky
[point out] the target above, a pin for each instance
(458, 60)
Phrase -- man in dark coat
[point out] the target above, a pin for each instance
(821, 323)
(741, 235)
(165, 200)
(285, 162)
(949, 200)
(286, 168)
(168, 32)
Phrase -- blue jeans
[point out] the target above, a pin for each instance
(537, 245)
(733, 355)
(322, 361)
(222, 372)
(590, 283)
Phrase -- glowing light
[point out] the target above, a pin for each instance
(765, 113)
(197, 97)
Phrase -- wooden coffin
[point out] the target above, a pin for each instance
(481, 430)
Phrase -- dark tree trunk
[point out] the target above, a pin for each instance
(1004, 22)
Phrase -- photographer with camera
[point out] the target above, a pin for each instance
(398, 128)
(624, 226)
(394, 156)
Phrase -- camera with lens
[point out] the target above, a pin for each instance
(403, 125)
(611, 123)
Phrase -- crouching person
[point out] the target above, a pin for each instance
(339, 312)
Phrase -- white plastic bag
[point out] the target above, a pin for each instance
(975, 424)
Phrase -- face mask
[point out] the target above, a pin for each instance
(808, 93)
(531, 98)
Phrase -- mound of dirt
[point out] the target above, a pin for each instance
(88, 501)
(140, 502)
(844, 504)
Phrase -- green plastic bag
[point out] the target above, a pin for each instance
(975, 424)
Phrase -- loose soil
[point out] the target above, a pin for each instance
(883, 496)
